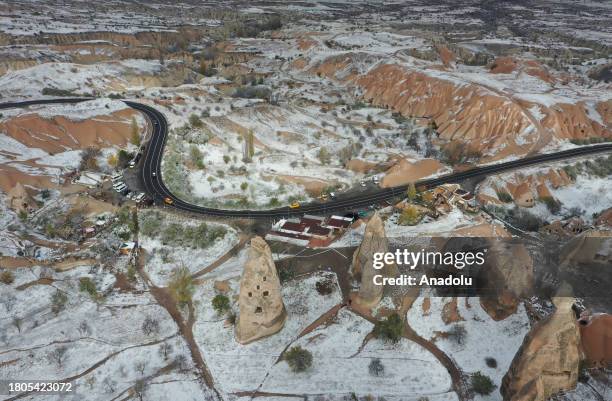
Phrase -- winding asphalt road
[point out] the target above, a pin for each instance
(156, 189)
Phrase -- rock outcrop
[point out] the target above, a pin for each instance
(605, 218)
(262, 311)
(475, 120)
(362, 269)
(19, 200)
(548, 360)
(596, 335)
(510, 271)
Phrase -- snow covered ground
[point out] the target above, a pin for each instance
(340, 365)
(164, 258)
(105, 348)
(244, 367)
(484, 338)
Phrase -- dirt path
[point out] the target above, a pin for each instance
(130, 390)
(40, 281)
(244, 238)
(97, 365)
(445, 360)
(266, 394)
(324, 319)
(165, 300)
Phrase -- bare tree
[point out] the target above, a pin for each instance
(457, 333)
(165, 349)
(181, 362)
(84, 329)
(150, 326)
(58, 356)
(9, 302)
(376, 367)
(140, 367)
(140, 387)
(109, 385)
(90, 381)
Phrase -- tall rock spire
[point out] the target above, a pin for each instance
(262, 311)
(374, 240)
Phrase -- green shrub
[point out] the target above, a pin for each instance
(298, 359)
(482, 384)
(7, 277)
(150, 225)
(181, 285)
(58, 301)
(410, 216)
(195, 121)
(195, 154)
(504, 196)
(390, 329)
(221, 304)
(56, 92)
(88, 286)
(553, 205)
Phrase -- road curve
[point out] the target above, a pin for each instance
(155, 187)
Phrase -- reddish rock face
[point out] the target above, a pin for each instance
(596, 335)
(605, 218)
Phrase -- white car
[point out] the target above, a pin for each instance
(139, 197)
(120, 188)
(363, 183)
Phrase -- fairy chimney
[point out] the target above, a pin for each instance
(362, 269)
(548, 360)
(262, 311)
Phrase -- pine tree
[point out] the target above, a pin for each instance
(249, 146)
(411, 193)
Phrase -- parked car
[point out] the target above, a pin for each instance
(168, 201)
(135, 160)
(294, 205)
